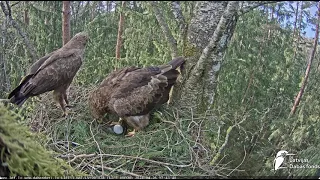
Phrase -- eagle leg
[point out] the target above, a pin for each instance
(63, 107)
(58, 97)
(65, 98)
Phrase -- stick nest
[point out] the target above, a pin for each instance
(169, 146)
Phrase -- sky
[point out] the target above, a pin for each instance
(309, 32)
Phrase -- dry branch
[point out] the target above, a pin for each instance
(124, 156)
(248, 6)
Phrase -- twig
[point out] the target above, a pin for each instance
(148, 160)
(226, 139)
(97, 146)
(77, 156)
(119, 170)
(165, 28)
(118, 167)
(245, 154)
(252, 5)
(14, 3)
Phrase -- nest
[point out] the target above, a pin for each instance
(168, 146)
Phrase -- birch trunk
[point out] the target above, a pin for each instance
(208, 35)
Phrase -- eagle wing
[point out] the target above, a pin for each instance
(33, 69)
(134, 91)
(138, 91)
(58, 70)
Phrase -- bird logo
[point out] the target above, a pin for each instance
(278, 161)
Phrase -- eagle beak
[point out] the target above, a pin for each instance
(291, 154)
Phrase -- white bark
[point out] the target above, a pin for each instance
(210, 31)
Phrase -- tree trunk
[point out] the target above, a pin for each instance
(66, 22)
(209, 32)
(304, 82)
(295, 20)
(26, 14)
(3, 76)
(120, 29)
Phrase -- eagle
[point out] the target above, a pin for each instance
(53, 72)
(132, 92)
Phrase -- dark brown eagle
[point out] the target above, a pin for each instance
(55, 71)
(132, 92)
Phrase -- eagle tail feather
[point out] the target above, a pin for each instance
(17, 89)
(18, 99)
(172, 65)
(176, 62)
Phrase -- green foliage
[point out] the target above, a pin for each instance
(22, 153)
(261, 75)
(259, 80)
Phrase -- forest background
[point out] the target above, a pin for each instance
(259, 96)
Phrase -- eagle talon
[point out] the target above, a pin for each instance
(65, 114)
(131, 134)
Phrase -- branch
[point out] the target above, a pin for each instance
(119, 170)
(248, 6)
(176, 9)
(165, 28)
(13, 4)
(226, 140)
(7, 13)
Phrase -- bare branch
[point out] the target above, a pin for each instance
(13, 4)
(7, 13)
(176, 9)
(119, 170)
(97, 146)
(165, 28)
(124, 156)
(250, 5)
(226, 140)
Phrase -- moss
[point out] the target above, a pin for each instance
(22, 155)
(190, 50)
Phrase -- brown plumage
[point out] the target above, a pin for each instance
(55, 71)
(132, 92)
